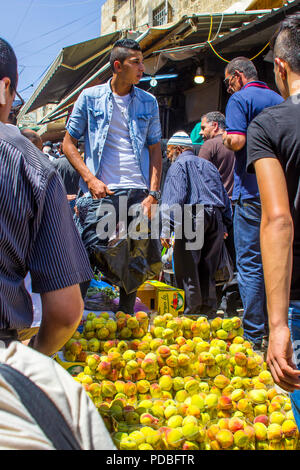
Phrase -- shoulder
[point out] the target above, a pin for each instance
(21, 152)
(143, 95)
(95, 91)
(267, 117)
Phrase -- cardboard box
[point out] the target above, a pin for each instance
(161, 297)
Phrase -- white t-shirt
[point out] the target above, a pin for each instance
(19, 430)
(119, 167)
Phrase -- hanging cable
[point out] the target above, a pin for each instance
(225, 60)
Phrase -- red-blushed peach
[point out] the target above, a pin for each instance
(188, 445)
(224, 403)
(261, 419)
(148, 420)
(225, 438)
(235, 424)
(223, 423)
(244, 405)
(240, 358)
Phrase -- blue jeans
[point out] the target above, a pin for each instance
(294, 326)
(247, 217)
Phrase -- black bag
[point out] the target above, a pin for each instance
(225, 271)
(42, 409)
(124, 261)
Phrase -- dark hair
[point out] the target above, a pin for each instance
(285, 42)
(120, 50)
(8, 64)
(31, 135)
(244, 65)
(216, 116)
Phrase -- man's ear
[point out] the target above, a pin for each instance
(4, 86)
(117, 66)
(281, 64)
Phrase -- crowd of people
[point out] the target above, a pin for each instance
(239, 192)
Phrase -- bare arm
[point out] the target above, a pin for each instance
(155, 175)
(234, 142)
(96, 187)
(62, 312)
(276, 248)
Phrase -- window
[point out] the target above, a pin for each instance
(162, 14)
(119, 4)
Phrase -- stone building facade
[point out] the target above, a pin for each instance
(139, 14)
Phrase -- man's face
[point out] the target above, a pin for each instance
(132, 69)
(207, 129)
(172, 152)
(233, 82)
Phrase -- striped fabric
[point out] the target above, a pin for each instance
(37, 233)
(180, 138)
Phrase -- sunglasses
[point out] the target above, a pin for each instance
(226, 80)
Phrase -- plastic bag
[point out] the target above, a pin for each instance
(126, 262)
(225, 271)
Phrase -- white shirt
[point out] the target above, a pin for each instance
(119, 167)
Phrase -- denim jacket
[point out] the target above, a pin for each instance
(91, 117)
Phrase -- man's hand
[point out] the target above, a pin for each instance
(98, 189)
(149, 206)
(279, 359)
(166, 242)
(225, 235)
(71, 197)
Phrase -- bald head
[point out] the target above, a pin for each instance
(34, 137)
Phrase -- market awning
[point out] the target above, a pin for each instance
(86, 64)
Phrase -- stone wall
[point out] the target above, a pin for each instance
(144, 8)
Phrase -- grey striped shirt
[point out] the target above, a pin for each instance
(37, 233)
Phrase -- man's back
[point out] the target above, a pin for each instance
(224, 159)
(283, 144)
(68, 174)
(242, 107)
(33, 237)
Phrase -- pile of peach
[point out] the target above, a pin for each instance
(187, 384)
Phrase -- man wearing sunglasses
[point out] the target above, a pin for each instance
(249, 97)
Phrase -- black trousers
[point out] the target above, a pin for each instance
(195, 269)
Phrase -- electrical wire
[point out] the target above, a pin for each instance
(213, 49)
(59, 40)
(56, 29)
(22, 20)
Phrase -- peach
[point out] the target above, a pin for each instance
(130, 389)
(193, 410)
(143, 386)
(212, 431)
(216, 324)
(175, 421)
(289, 428)
(183, 360)
(235, 424)
(258, 396)
(108, 388)
(190, 431)
(174, 437)
(236, 322)
(261, 431)
(211, 401)
(188, 445)
(181, 396)
(274, 431)
(222, 334)
(225, 438)
(240, 358)
(277, 417)
(261, 419)
(224, 403)
(241, 439)
(227, 324)
(192, 386)
(147, 419)
(165, 382)
(221, 381)
(237, 394)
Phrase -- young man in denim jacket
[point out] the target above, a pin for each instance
(121, 127)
